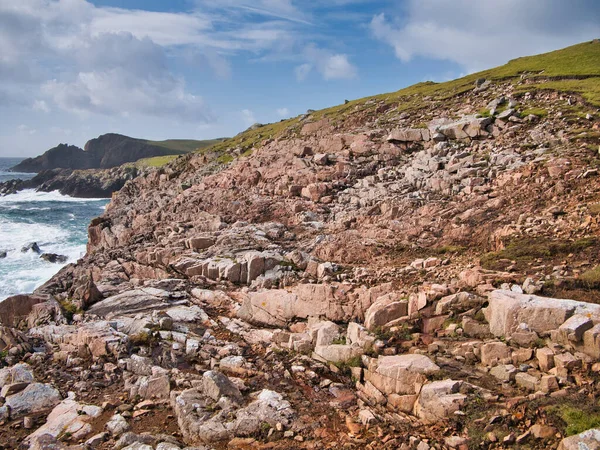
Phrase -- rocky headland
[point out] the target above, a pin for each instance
(105, 152)
(101, 168)
(416, 270)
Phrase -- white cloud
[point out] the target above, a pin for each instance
(331, 66)
(479, 35)
(248, 117)
(59, 130)
(283, 112)
(302, 71)
(40, 105)
(26, 130)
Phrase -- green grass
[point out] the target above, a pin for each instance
(157, 161)
(540, 112)
(69, 309)
(577, 421)
(591, 276)
(588, 88)
(185, 145)
(527, 249)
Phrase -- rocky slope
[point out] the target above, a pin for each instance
(417, 270)
(105, 152)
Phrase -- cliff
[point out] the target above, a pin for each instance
(104, 152)
(418, 269)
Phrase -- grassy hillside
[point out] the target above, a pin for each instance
(575, 69)
(184, 145)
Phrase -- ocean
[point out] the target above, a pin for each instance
(57, 223)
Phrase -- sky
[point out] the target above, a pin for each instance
(71, 70)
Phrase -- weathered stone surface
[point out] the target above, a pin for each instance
(456, 303)
(276, 307)
(439, 400)
(588, 440)
(152, 387)
(591, 342)
(573, 329)
(494, 352)
(504, 372)
(14, 310)
(326, 333)
(385, 310)
(338, 353)
(358, 335)
(402, 374)
(198, 424)
(117, 425)
(508, 310)
(526, 381)
(34, 398)
(567, 361)
(69, 416)
(200, 243)
(131, 302)
(410, 135)
(215, 385)
(545, 358)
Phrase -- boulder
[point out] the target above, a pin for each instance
(337, 353)
(19, 373)
(591, 342)
(14, 310)
(157, 386)
(400, 374)
(571, 332)
(54, 258)
(439, 400)
(507, 310)
(31, 247)
(526, 381)
(36, 397)
(469, 127)
(200, 425)
(117, 425)
(457, 303)
(410, 135)
(131, 302)
(504, 372)
(216, 385)
(69, 416)
(588, 440)
(200, 243)
(358, 335)
(384, 310)
(545, 357)
(275, 307)
(494, 352)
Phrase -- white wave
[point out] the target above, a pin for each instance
(31, 195)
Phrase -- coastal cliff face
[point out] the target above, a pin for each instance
(104, 152)
(389, 273)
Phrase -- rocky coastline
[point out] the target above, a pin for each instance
(90, 183)
(409, 274)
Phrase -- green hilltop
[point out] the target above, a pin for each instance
(574, 69)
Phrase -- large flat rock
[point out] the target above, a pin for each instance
(508, 310)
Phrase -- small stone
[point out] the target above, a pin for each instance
(28, 423)
(540, 431)
(117, 425)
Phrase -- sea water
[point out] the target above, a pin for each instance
(58, 223)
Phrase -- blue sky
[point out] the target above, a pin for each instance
(71, 70)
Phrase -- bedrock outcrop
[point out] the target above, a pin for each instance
(390, 277)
